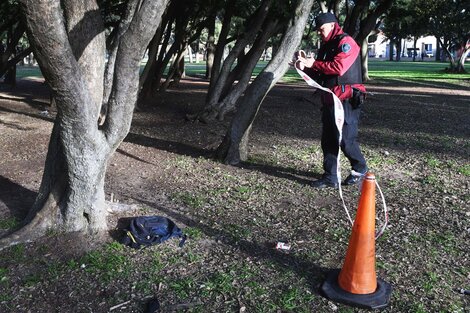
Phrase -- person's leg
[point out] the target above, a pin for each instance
(330, 148)
(349, 144)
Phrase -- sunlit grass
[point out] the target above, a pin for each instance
(428, 70)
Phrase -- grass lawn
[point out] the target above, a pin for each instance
(414, 135)
(378, 69)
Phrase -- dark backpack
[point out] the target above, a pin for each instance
(149, 230)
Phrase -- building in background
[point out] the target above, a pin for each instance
(425, 48)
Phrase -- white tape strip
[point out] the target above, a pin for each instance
(339, 121)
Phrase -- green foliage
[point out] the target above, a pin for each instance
(219, 282)
(8, 223)
(109, 263)
(32, 279)
(193, 233)
(294, 300)
(237, 232)
(430, 282)
(3, 275)
(182, 287)
(464, 170)
(191, 200)
(17, 253)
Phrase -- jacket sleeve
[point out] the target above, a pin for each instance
(342, 61)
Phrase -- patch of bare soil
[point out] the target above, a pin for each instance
(414, 137)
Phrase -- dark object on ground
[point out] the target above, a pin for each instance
(150, 230)
(323, 183)
(377, 300)
(153, 306)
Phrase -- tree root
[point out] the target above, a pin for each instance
(44, 221)
(33, 230)
(116, 207)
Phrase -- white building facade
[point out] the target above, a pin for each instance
(425, 47)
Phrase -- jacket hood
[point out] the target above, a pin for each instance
(337, 30)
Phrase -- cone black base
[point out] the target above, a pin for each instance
(377, 300)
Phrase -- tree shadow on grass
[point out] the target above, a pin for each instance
(167, 145)
(17, 199)
(313, 273)
(195, 152)
(301, 177)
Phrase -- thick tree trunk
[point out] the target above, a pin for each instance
(70, 49)
(234, 147)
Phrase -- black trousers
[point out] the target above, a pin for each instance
(349, 144)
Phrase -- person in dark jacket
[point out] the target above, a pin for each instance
(338, 67)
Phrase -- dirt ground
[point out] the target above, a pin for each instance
(415, 137)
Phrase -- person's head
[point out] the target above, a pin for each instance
(324, 24)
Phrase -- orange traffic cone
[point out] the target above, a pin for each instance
(357, 284)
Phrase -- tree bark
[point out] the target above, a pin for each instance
(463, 57)
(221, 43)
(438, 50)
(216, 89)
(210, 48)
(243, 72)
(69, 44)
(9, 57)
(365, 59)
(234, 147)
(363, 20)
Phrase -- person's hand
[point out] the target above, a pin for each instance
(306, 62)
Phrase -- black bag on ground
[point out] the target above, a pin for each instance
(150, 230)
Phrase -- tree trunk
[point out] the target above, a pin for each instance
(152, 56)
(216, 89)
(399, 50)
(452, 61)
(438, 51)
(234, 147)
(210, 47)
(156, 69)
(10, 76)
(243, 73)
(463, 57)
(175, 67)
(13, 61)
(220, 47)
(365, 59)
(363, 20)
(69, 44)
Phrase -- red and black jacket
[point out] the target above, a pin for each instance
(338, 64)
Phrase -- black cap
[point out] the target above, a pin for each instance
(324, 18)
